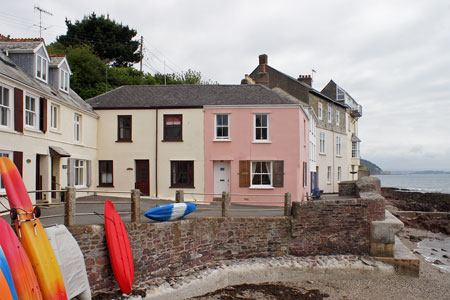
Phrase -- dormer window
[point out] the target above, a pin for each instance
(41, 68)
(340, 94)
(64, 81)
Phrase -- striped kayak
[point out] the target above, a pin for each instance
(27, 286)
(170, 212)
(4, 266)
(31, 234)
(5, 292)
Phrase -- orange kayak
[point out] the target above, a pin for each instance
(31, 234)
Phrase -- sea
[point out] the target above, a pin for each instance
(434, 250)
(426, 183)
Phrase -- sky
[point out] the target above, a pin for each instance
(393, 57)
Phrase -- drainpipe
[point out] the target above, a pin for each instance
(156, 153)
(334, 157)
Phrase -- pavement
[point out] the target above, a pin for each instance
(94, 204)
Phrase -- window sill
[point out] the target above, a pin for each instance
(261, 187)
(221, 140)
(105, 185)
(261, 142)
(339, 156)
(32, 129)
(124, 141)
(79, 187)
(171, 141)
(55, 130)
(323, 154)
(6, 128)
(181, 187)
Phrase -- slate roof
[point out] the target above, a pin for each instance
(56, 60)
(12, 46)
(9, 69)
(186, 96)
(293, 83)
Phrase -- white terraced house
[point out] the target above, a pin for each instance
(45, 127)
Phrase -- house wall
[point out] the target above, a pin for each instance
(288, 142)
(143, 146)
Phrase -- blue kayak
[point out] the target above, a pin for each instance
(170, 212)
(7, 273)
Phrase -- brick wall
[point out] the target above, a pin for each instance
(334, 226)
(163, 249)
(166, 249)
(347, 188)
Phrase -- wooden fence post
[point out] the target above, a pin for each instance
(135, 206)
(225, 204)
(287, 204)
(70, 208)
(179, 196)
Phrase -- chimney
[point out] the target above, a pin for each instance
(262, 77)
(307, 79)
(263, 59)
(244, 81)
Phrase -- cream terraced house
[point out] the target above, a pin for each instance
(164, 138)
(45, 127)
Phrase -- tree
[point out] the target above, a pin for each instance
(109, 40)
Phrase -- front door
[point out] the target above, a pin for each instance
(38, 177)
(142, 176)
(221, 177)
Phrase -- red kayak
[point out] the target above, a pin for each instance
(119, 248)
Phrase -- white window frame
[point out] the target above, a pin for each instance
(338, 118)
(79, 174)
(322, 145)
(340, 94)
(31, 114)
(64, 81)
(338, 146)
(329, 114)
(355, 150)
(320, 110)
(255, 140)
(252, 173)
(339, 174)
(54, 116)
(7, 108)
(216, 126)
(5, 153)
(42, 66)
(77, 127)
(329, 174)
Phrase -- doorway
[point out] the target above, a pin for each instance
(221, 177)
(143, 176)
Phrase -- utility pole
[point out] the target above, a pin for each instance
(142, 43)
(40, 18)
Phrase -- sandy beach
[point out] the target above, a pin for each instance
(433, 282)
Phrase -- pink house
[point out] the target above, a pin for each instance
(257, 150)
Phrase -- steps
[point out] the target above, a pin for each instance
(386, 247)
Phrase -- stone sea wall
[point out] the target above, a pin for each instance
(167, 249)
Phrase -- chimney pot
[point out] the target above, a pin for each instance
(263, 59)
(305, 79)
(244, 81)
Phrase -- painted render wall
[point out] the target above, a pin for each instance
(288, 142)
(143, 146)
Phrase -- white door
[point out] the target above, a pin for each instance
(221, 177)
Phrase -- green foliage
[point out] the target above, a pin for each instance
(110, 41)
(100, 53)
